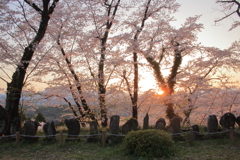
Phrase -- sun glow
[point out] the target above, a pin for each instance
(160, 92)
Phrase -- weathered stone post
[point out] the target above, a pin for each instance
(114, 124)
(17, 138)
(212, 123)
(61, 137)
(146, 122)
(73, 126)
(50, 131)
(103, 138)
(231, 135)
(114, 128)
(160, 124)
(212, 126)
(175, 124)
(93, 131)
(228, 120)
(191, 136)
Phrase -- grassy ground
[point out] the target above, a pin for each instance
(207, 149)
(219, 149)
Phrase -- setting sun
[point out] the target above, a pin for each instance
(160, 92)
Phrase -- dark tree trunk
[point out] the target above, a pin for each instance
(135, 61)
(172, 77)
(134, 105)
(167, 85)
(135, 91)
(102, 90)
(14, 88)
(101, 79)
(170, 111)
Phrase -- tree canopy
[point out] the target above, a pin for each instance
(91, 54)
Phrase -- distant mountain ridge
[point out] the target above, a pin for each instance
(53, 101)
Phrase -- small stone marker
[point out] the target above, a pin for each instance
(212, 126)
(228, 120)
(50, 131)
(195, 129)
(212, 123)
(146, 122)
(114, 128)
(73, 129)
(93, 127)
(93, 130)
(114, 124)
(30, 130)
(130, 125)
(175, 124)
(160, 124)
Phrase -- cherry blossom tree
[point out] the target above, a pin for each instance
(94, 51)
(150, 14)
(81, 38)
(19, 27)
(205, 73)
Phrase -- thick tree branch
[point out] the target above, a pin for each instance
(71, 90)
(34, 6)
(36, 65)
(3, 79)
(52, 7)
(71, 107)
(225, 17)
(228, 15)
(128, 87)
(77, 81)
(5, 73)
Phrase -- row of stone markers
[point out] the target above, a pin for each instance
(73, 125)
(228, 121)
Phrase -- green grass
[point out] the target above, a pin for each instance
(208, 149)
(220, 149)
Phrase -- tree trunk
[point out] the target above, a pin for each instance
(167, 86)
(170, 111)
(102, 90)
(14, 88)
(134, 96)
(135, 61)
(101, 79)
(135, 92)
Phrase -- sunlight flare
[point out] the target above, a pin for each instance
(160, 92)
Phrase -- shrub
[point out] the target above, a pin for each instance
(148, 143)
(40, 118)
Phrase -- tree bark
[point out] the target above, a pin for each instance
(135, 90)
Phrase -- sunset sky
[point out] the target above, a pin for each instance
(213, 35)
